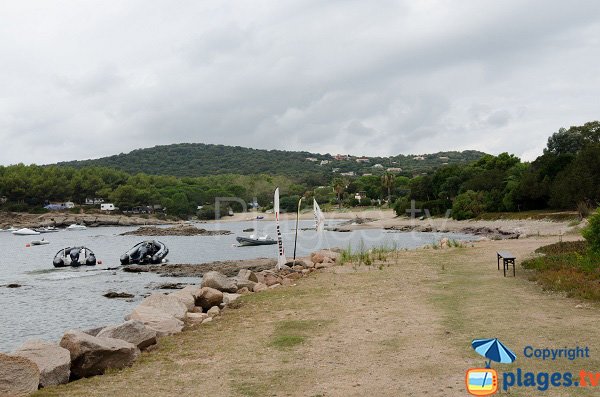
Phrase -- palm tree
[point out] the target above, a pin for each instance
(387, 181)
(339, 185)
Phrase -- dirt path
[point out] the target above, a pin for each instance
(404, 330)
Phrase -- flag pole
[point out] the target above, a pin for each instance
(296, 236)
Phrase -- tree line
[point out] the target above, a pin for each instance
(565, 176)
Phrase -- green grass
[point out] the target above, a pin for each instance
(291, 333)
(567, 266)
(367, 257)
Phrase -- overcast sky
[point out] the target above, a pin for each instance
(86, 79)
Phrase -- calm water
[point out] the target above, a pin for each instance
(54, 300)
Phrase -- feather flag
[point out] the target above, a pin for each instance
(319, 217)
(281, 254)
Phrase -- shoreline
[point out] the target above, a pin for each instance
(412, 299)
(355, 220)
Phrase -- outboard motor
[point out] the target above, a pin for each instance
(74, 255)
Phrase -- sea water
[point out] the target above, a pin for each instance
(52, 300)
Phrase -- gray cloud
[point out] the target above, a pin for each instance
(378, 78)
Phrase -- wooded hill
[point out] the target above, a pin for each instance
(198, 159)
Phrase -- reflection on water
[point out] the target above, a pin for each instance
(53, 300)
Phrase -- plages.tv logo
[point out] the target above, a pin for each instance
(484, 381)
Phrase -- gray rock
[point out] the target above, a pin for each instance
(246, 274)
(209, 297)
(53, 361)
(245, 284)
(213, 311)
(259, 287)
(19, 376)
(166, 303)
(161, 322)
(92, 356)
(218, 281)
(196, 318)
(132, 331)
(187, 296)
(93, 331)
(230, 298)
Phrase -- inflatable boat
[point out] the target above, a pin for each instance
(74, 256)
(145, 252)
(254, 240)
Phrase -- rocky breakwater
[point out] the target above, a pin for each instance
(64, 219)
(177, 230)
(81, 354)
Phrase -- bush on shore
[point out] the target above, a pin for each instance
(571, 267)
(592, 232)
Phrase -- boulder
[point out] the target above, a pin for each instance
(246, 274)
(305, 262)
(319, 256)
(271, 279)
(92, 356)
(213, 311)
(294, 276)
(166, 303)
(53, 361)
(209, 297)
(218, 281)
(196, 318)
(245, 284)
(187, 296)
(19, 376)
(286, 281)
(93, 331)
(132, 331)
(259, 287)
(323, 265)
(161, 322)
(230, 298)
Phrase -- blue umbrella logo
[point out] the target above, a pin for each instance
(493, 350)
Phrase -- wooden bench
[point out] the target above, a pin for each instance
(507, 260)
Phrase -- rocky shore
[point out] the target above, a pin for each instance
(229, 268)
(19, 220)
(86, 353)
(177, 230)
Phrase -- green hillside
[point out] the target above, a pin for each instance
(197, 159)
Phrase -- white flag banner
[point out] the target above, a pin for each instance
(281, 254)
(319, 217)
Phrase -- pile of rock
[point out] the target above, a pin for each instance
(178, 230)
(81, 354)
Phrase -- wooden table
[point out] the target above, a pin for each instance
(507, 260)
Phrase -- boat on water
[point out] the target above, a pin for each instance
(47, 229)
(255, 240)
(40, 242)
(76, 226)
(25, 232)
(75, 257)
(145, 252)
(10, 229)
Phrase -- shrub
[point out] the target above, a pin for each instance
(468, 205)
(403, 204)
(592, 231)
